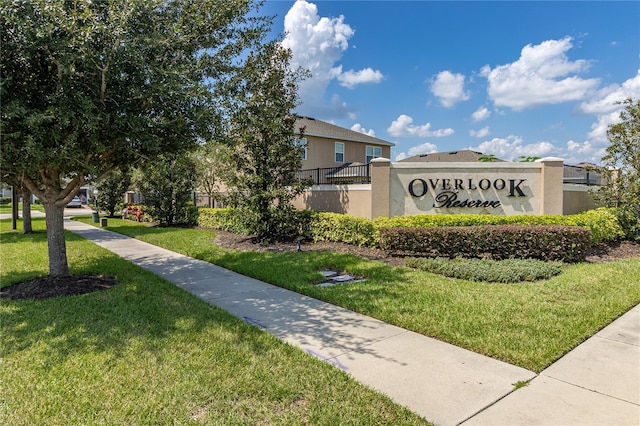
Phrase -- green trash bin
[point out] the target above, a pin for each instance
(95, 216)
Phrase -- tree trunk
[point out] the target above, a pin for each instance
(14, 208)
(26, 211)
(57, 245)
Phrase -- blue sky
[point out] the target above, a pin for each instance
(510, 78)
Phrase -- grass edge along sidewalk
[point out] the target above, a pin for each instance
(527, 324)
(146, 352)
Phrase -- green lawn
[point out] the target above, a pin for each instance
(6, 208)
(148, 353)
(528, 324)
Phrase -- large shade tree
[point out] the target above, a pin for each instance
(90, 85)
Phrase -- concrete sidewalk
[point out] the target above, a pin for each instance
(598, 383)
(444, 384)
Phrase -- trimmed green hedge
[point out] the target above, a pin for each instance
(5, 200)
(602, 222)
(322, 226)
(543, 242)
(343, 228)
(488, 270)
(224, 219)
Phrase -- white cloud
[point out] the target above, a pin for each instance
(352, 78)
(425, 148)
(598, 133)
(512, 147)
(317, 44)
(542, 75)
(358, 128)
(481, 114)
(578, 152)
(580, 148)
(403, 127)
(449, 88)
(605, 106)
(605, 101)
(482, 133)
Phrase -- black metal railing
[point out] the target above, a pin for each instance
(347, 174)
(581, 175)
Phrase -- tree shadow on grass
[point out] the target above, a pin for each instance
(141, 310)
(319, 328)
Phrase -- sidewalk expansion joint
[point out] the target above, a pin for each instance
(496, 401)
(590, 390)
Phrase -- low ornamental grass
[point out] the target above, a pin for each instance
(489, 270)
(148, 353)
(528, 324)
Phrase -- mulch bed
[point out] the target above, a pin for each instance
(47, 287)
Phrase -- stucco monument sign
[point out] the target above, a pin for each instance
(505, 188)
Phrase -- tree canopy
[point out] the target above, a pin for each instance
(264, 155)
(90, 85)
(622, 169)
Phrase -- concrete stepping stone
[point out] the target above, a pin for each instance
(333, 279)
(342, 278)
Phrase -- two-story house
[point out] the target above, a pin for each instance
(330, 146)
(332, 155)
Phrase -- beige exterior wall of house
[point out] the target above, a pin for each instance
(321, 152)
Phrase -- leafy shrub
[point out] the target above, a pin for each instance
(432, 220)
(629, 223)
(343, 228)
(546, 242)
(5, 201)
(603, 223)
(500, 271)
(111, 190)
(323, 226)
(165, 185)
(225, 219)
(292, 224)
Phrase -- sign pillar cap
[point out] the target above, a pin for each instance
(381, 160)
(550, 159)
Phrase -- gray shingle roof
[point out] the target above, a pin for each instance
(463, 155)
(319, 128)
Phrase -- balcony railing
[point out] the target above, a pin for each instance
(347, 174)
(581, 175)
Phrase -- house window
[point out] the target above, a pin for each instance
(302, 143)
(373, 152)
(339, 152)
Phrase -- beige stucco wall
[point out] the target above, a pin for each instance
(513, 188)
(321, 152)
(354, 200)
(503, 188)
(577, 198)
